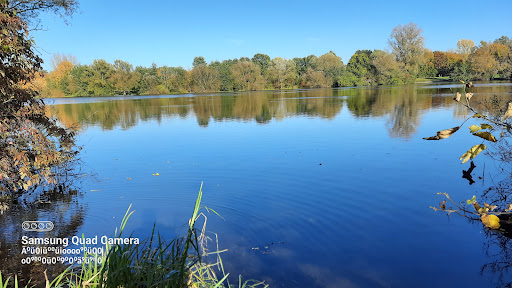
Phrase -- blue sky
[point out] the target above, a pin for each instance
(173, 32)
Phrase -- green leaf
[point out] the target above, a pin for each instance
(475, 128)
(486, 126)
(472, 200)
(479, 116)
(486, 135)
(472, 152)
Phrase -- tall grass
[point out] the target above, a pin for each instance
(182, 262)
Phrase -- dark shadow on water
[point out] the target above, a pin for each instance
(62, 206)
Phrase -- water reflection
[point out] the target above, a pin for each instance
(402, 105)
(62, 206)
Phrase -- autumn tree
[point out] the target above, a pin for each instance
(124, 78)
(58, 81)
(247, 76)
(281, 73)
(407, 44)
(174, 78)
(331, 65)
(58, 58)
(426, 68)
(204, 78)
(503, 55)
(465, 47)
(315, 79)
(441, 63)
(483, 63)
(32, 145)
(388, 69)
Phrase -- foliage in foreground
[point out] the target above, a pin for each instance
(183, 262)
(491, 216)
(32, 145)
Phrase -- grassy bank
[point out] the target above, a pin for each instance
(182, 262)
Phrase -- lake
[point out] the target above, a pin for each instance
(316, 188)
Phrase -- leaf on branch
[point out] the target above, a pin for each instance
(442, 205)
(486, 135)
(457, 97)
(508, 113)
(490, 221)
(509, 207)
(482, 210)
(486, 126)
(490, 207)
(472, 200)
(468, 96)
(475, 128)
(443, 134)
(472, 152)
(479, 116)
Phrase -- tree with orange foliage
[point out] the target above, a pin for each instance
(32, 146)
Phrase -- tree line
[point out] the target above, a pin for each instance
(408, 60)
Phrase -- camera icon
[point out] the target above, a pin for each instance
(37, 226)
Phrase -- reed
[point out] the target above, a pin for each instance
(182, 262)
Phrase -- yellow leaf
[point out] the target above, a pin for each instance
(472, 152)
(457, 97)
(156, 174)
(128, 178)
(509, 207)
(490, 221)
(468, 96)
(443, 134)
(490, 207)
(479, 116)
(486, 126)
(485, 135)
(475, 128)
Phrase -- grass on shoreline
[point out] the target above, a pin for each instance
(155, 262)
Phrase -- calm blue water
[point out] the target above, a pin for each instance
(332, 186)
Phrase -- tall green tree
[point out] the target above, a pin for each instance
(361, 66)
(224, 70)
(263, 61)
(100, 83)
(198, 61)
